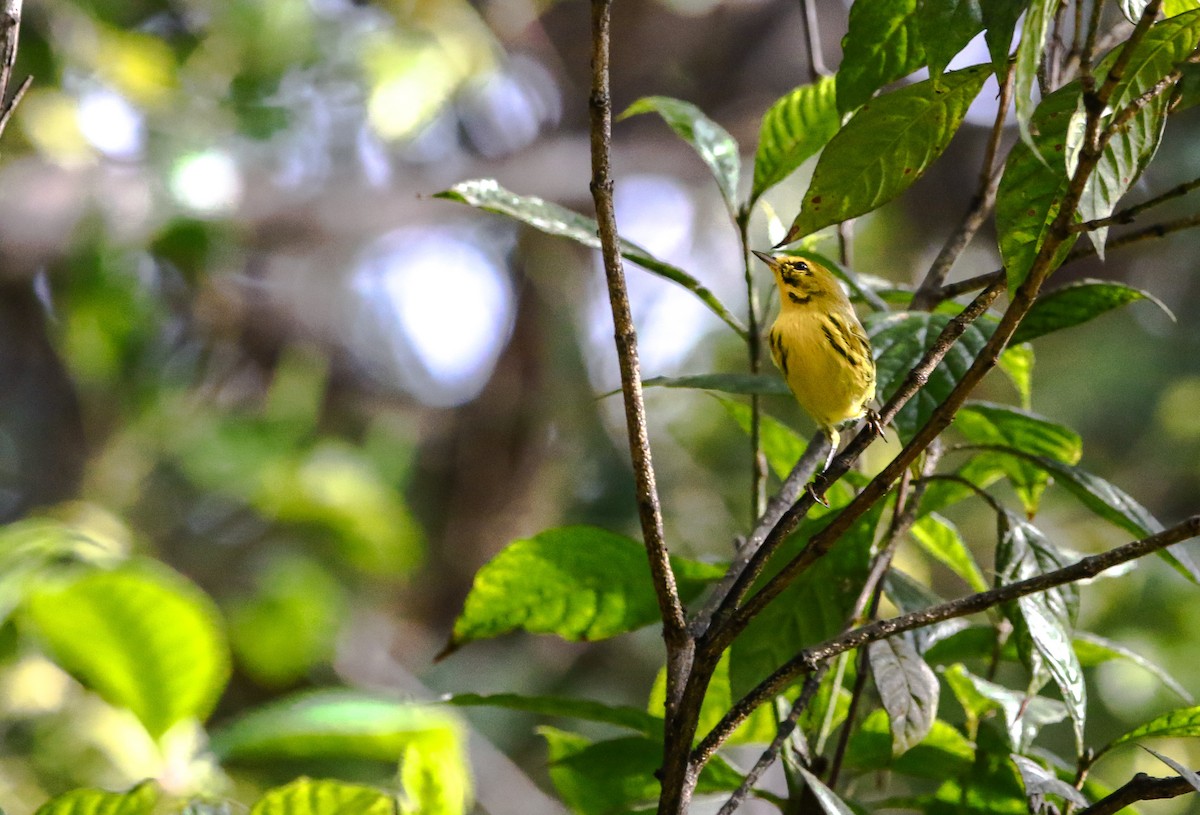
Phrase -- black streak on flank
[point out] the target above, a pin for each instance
(837, 346)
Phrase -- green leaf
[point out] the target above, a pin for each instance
(1024, 715)
(1179, 723)
(946, 26)
(141, 636)
(981, 470)
(1172, 8)
(781, 445)
(881, 45)
(1031, 189)
(548, 217)
(793, 130)
(768, 384)
(827, 798)
(339, 724)
(1016, 362)
(711, 142)
(140, 800)
(306, 796)
(1000, 20)
(1092, 649)
(604, 777)
(1164, 47)
(909, 595)
(1044, 622)
(900, 341)
(907, 688)
(578, 582)
(986, 423)
(943, 752)
(884, 148)
(585, 709)
(1077, 303)
(1187, 774)
(759, 728)
(940, 539)
(1040, 782)
(1034, 34)
(435, 775)
(811, 609)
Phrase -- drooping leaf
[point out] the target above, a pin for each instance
(307, 796)
(1044, 622)
(712, 143)
(1186, 773)
(1024, 715)
(324, 724)
(881, 45)
(1017, 364)
(140, 800)
(1165, 46)
(1179, 723)
(900, 341)
(1031, 189)
(1040, 782)
(1035, 32)
(885, 147)
(1000, 20)
(765, 384)
(793, 130)
(553, 219)
(1077, 303)
(827, 798)
(987, 423)
(1092, 649)
(943, 752)
(946, 26)
(781, 445)
(141, 636)
(578, 582)
(566, 707)
(908, 689)
(941, 540)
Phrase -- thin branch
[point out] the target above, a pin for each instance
(758, 461)
(10, 32)
(1128, 215)
(926, 296)
(1148, 233)
(650, 513)
(1141, 787)
(816, 62)
(810, 659)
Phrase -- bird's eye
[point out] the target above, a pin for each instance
(802, 266)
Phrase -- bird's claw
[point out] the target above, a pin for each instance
(874, 422)
(816, 488)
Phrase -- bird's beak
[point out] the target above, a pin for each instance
(765, 258)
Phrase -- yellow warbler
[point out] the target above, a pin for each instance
(820, 346)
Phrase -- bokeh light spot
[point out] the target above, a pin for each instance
(207, 183)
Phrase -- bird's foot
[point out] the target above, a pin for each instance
(817, 487)
(874, 422)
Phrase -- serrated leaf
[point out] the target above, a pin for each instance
(307, 796)
(900, 341)
(1031, 189)
(1000, 21)
(985, 423)
(1044, 622)
(810, 610)
(1185, 773)
(827, 798)
(885, 147)
(566, 707)
(712, 143)
(1040, 782)
(882, 44)
(1092, 649)
(1034, 33)
(141, 636)
(577, 582)
(1024, 715)
(946, 26)
(315, 725)
(759, 728)
(940, 539)
(944, 752)
(140, 800)
(792, 131)
(908, 689)
(1165, 45)
(553, 219)
(1179, 723)
(1077, 303)
(768, 384)
(1016, 362)
(616, 775)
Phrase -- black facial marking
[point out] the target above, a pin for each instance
(797, 299)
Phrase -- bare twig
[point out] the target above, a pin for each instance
(10, 32)
(1141, 787)
(758, 461)
(810, 659)
(816, 62)
(1128, 214)
(674, 625)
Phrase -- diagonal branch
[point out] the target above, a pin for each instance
(810, 659)
(1141, 787)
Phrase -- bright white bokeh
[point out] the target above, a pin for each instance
(207, 183)
(444, 307)
(111, 124)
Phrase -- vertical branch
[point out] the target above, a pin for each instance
(649, 511)
(10, 30)
(816, 62)
(758, 464)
